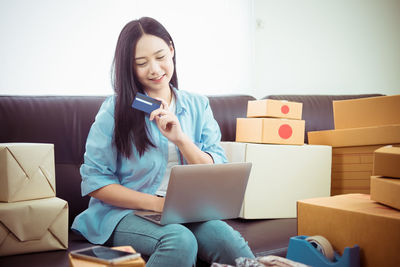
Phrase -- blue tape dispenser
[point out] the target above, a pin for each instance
(316, 251)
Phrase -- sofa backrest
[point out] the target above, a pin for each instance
(65, 122)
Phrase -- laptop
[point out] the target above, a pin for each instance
(202, 192)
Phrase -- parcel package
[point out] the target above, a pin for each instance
(281, 175)
(354, 219)
(274, 108)
(366, 112)
(386, 191)
(353, 149)
(352, 169)
(33, 226)
(270, 131)
(374, 135)
(387, 161)
(26, 171)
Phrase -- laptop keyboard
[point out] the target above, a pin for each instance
(155, 217)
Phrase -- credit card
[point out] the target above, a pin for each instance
(145, 103)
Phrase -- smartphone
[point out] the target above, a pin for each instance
(104, 254)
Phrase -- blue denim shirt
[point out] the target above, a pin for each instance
(103, 165)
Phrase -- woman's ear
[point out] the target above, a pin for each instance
(171, 48)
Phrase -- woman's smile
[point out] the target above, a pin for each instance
(157, 79)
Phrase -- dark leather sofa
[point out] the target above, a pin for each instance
(65, 122)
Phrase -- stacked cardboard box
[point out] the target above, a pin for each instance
(385, 184)
(361, 127)
(271, 122)
(354, 219)
(281, 174)
(271, 137)
(32, 218)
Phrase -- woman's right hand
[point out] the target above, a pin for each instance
(123, 197)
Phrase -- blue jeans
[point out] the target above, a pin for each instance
(181, 244)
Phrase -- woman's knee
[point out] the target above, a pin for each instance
(219, 242)
(180, 239)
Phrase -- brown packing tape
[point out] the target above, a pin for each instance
(322, 244)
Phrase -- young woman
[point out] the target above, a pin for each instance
(129, 155)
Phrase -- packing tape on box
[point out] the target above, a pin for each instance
(322, 245)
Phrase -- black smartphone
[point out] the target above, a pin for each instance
(104, 254)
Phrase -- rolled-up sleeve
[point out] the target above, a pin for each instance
(100, 158)
(211, 136)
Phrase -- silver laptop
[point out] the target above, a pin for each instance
(202, 192)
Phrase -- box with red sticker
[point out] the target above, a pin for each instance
(270, 131)
(274, 108)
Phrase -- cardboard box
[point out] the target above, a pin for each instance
(341, 191)
(352, 159)
(376, 135)
(76, 262)
(386, 191)
(270, 131)
(354, 219)
(352, 169)
(274, 108)
(351, 184)
(352, 175)
(33, 226)
(366, 112)
(26, 171)
(281, 175)
(387, 161)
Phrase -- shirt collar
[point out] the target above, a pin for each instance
(180, 105)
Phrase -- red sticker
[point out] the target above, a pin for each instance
(285, 131)
(285, 109)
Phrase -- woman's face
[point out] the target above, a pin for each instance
(153, 63)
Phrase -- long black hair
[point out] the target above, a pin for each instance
(130, 123)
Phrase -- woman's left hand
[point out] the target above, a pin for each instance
(167, 122)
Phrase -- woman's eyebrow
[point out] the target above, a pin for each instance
(158, 51)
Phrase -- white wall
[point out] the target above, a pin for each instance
(67, 47)
(256, 47)
(327, 47)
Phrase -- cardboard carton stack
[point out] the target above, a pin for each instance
(361, 126)
(385, 184)
(271, 122)
(281, 171)
(32, 218)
